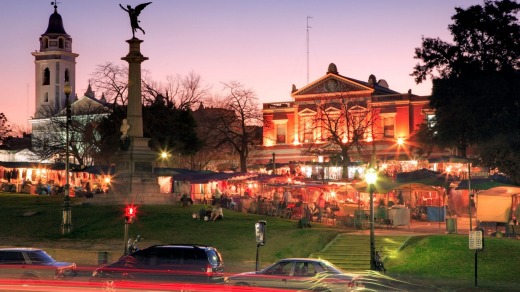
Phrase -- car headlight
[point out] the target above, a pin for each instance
(97, 273)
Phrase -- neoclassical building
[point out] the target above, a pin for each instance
(369, 118)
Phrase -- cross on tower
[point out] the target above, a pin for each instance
(55, 3)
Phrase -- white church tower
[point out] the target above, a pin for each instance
(55, 64)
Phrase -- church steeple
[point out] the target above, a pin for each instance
(55, 23)
(90, 93)
(55, 37)
(55, 64)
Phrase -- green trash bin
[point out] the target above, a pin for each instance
(451, 225)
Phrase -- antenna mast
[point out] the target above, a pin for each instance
(308, 17)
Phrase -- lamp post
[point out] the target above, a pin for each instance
(66, 226)
(371, 177)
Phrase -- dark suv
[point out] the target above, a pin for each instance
(32, 264)
(172, 263)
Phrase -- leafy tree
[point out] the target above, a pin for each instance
(475, 81)
(485, 40)
(5, 128)
(502, 152)
(170, 129)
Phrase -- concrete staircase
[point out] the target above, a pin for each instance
(351, 252)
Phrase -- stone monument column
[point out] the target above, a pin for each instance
(135, 179)
(134, 110)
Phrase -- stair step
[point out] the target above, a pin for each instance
(352, 252)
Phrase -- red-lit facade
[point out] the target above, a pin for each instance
(290, 127)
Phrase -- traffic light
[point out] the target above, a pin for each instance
(130, 212)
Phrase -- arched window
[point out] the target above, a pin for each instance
(46, 76)
(45, 43)
(60, 43)
(67, 75)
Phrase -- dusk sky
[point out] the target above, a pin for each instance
(261, 44)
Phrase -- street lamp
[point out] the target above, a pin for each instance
(371, 177)
(66, 226)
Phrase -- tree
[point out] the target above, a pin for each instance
(180, 92)
(5, 128)
(112, 80)
(212, 155)
(167, 107)
(475, 80)
(85, 136)
(170, 129)
(343, 126)
(237, 126)
(486, 40)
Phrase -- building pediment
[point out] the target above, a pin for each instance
(86, 106)
(332, 84)
(306, 111)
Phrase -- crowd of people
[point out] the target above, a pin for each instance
(278, 204)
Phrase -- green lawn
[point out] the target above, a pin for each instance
(233, 236)
(441, 259)
(438, 259)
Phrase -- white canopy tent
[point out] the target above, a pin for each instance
(495, 204)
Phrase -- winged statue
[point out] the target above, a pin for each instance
(134, 13)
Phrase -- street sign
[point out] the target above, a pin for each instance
(260, 232)
(475, 240)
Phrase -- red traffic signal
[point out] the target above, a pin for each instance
(130, 212)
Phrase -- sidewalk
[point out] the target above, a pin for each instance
(423, 228)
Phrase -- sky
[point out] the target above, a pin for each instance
(266, 45)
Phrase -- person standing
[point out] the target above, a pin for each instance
(286, 197)
(321, 206)
(276, 202)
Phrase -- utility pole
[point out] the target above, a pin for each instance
(308, 17)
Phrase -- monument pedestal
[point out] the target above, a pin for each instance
(134, 171)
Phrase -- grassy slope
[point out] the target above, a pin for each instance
(436, 259)
(234, 236)
(440, 259)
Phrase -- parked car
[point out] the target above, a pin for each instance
(191, 263)
(32, 264)
(299, 273)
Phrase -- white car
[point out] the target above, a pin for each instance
(299, 274)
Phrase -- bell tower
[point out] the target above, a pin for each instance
(55, 64)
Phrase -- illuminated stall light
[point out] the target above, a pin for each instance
(296, 141)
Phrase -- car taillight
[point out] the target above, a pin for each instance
(58, 273)
(209, 270)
